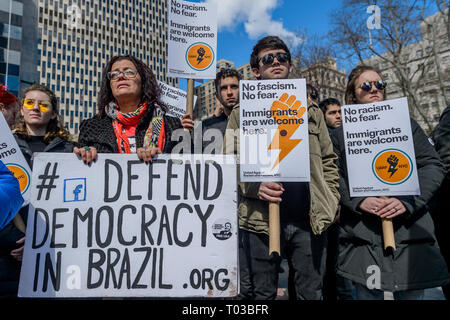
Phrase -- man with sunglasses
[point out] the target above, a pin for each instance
(306, 209)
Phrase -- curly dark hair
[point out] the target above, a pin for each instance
(55, 127)
(151, 92)
(226, 73)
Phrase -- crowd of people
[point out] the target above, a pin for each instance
(327, 237)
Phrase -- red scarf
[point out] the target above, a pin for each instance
(129, 119)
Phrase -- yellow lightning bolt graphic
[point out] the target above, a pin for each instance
(289, 124)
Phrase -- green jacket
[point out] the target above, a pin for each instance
(324, 184)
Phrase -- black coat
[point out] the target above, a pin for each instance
(441, 204)
(56, 145)
(99, 133)
(417, 263)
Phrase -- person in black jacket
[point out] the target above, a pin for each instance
(441, 211)
(131, 118)
(417, 263)
(38, 129)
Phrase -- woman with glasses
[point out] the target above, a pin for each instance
(416, 263)
(38, 129)
(131, 117)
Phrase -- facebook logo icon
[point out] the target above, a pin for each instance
(75, 190)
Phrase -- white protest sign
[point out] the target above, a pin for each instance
(274, 143)
(125, 228)
(379, 148)
(175, 99)
(13, 159)
(192, 40)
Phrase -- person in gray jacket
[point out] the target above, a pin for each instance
(417, 263)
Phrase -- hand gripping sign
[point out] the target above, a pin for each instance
(380, 154)
(274, 144)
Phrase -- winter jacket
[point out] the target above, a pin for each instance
(441, 203)
(417, 262)
(56, 145)
(99, 133)
(324, 194)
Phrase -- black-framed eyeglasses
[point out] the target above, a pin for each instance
(269, 58)
(128, 74)
(367, 86)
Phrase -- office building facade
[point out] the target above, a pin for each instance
(77, 38)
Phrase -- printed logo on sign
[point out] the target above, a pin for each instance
(392, 166)
(222, 229)
(287, 112)
(21, 174)
(75, 190)
(199, 56)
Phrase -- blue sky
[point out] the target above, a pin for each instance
(235, 42)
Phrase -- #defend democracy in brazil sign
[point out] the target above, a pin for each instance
(274, 143)
(124, 228)
(380, 149)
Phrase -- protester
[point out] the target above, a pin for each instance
(312, 93)
(306, 211)
(9, 105)
(417, 263)
(10, 196)
(441, 209)
(335, 287)
(331, 109)
(131, 118)
(227, 94)
(38, 129)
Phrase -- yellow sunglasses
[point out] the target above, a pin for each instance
(29, 104)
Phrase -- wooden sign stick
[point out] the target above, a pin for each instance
(190, 98)
(274, 228)
(388, 232)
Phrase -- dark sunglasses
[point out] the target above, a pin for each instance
(367, 86)
(269, 58)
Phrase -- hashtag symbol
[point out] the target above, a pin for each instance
(44, 177)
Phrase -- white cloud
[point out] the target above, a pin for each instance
(256, 17)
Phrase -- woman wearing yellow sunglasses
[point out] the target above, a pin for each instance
(38, 130)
